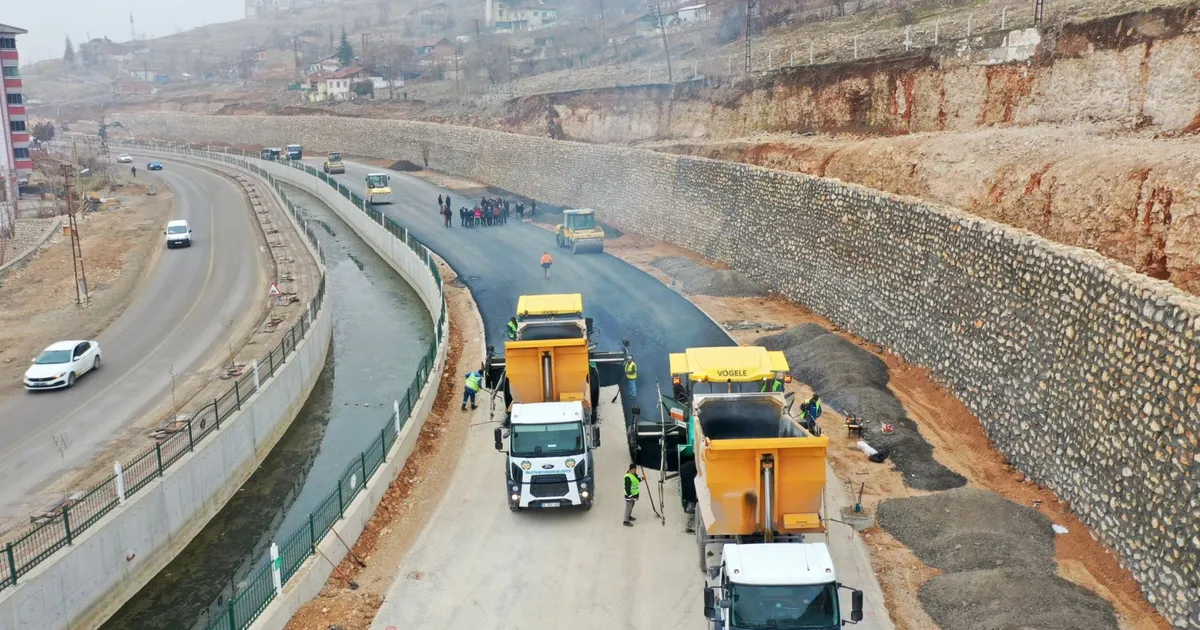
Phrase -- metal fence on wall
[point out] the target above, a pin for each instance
(59, 529)
(258, 590)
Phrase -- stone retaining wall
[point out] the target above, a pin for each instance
(1083, 372)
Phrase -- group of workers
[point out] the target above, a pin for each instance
(488, 212)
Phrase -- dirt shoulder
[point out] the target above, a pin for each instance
(121, 248)
(414, 493)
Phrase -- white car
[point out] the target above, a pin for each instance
(61, 364)
(179, 234)
(125, 158)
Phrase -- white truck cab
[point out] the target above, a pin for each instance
(550, 460)
(179, 233)
(782, 586)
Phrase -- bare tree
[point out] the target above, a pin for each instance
(174, 378)
(227, 324)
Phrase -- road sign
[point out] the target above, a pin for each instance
(274, 290)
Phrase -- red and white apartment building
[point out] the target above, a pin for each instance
(15, 163)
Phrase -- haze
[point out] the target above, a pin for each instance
(49, 22)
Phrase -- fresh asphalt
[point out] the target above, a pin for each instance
(174, 322)
(499, 264)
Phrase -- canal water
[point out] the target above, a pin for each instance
(380, 332)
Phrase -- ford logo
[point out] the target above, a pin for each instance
(548, 466)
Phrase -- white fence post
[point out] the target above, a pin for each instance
(856, 46)
(970, 19)
(120, 483)
(937, 31)
(255, 368)
(396, 413)
(1003, 17)
(276, 574)
(810, 53)
(907, 38)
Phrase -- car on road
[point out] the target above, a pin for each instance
(61, 364)
(179, 233)
(124, 158)
(154, 166)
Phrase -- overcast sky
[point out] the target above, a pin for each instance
(49, 22)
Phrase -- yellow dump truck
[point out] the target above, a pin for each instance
(579, 232)
(754, 481)
(549, 377)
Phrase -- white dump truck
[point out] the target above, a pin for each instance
(549, 453)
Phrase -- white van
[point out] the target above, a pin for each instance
(179, 234)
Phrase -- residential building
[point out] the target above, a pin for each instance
(15, 162)
(692, 13)
(510, 15)
(338, 84)
(267, 8)
(439, 47)
(327, 65)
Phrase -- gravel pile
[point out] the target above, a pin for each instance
(854, 381)
(998, 563)
(697, 279)
(1007, 599)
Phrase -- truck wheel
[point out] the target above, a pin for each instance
(514, 508)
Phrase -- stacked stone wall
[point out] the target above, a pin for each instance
(1083, 372)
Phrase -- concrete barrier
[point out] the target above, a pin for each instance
(86, 582)
(310, 578)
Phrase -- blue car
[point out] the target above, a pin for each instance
(154, 166)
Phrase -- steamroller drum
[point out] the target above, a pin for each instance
(588, 246)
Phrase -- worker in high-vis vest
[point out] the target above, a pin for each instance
(773, 384)
(473, 383)
(512, 329)
(632, 490)
(631, 376)
(810, 410)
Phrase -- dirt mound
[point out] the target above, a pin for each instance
(1004, 599)
(969, 529)
(405, 166)
(700, 280)
(855, 382)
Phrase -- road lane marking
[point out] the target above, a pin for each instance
(169, 336)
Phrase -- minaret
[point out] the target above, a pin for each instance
(132, 31)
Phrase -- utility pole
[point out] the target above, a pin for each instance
(663, 29)
(478, 37)
(750, 4)
(457, 54)
(1037, 12)
(363, 52)
(81, 293)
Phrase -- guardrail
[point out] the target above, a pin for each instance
(33, 546)
(245, 605)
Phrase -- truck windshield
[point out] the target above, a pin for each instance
(547, 440)
(376, 181)
(785, 607)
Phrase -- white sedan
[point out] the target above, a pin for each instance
(61, 364)
(125, 158)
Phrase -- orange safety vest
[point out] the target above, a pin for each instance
(546, 259)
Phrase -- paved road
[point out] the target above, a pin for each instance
(569, 569)
(175, 320)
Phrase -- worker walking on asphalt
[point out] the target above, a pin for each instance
(810, 411)
(631, 376)
(632, 490)
(773, 384)
(547, 260)
(471, 387)
(133, 169)
(512, 329)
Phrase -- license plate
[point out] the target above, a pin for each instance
(551, 504)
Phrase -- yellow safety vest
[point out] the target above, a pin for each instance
(473, 382)
(512, 330)
(634, 485)
(631, 370)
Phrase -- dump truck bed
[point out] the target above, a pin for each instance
(527, 379)
(734, 440)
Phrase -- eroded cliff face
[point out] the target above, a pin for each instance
(1135, 71)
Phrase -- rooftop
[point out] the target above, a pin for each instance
(12, 30)
(779, 564)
